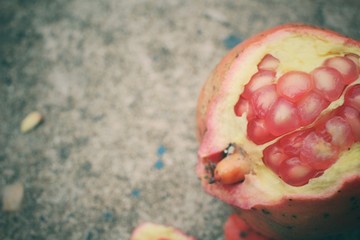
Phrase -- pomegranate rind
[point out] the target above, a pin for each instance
(153, 231)
(235, 228)
(262, 189)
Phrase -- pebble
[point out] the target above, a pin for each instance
(12, 197)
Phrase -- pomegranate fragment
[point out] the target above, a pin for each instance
(282, 118)
(294, 85)
(269, 62)
(328, 82)
(345, 66)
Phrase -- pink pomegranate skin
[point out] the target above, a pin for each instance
(333, 214)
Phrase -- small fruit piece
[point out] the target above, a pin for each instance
(12, 197)
(152, 231)
(32, 120)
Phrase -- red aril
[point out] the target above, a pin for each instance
(340, 131)
(262, 99)
(353, 57)
(292, 143)
(310, 107)
(243, 106)
(294, 85)
(328, 82)
(293, 171)
(282, 117)
(352, 97)
(345, 67)
(273, 156)
(317, 152)
(258, 132)
(352, 116)
(258, 80)
(269, 62)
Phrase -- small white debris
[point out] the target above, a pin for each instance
(31, 121)
(12, 197)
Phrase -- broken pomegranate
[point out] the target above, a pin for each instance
(288, 102)
(153, 231)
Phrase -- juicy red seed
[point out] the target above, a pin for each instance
(352, 97)
(353, 57)
(269, 62)
(292, 143)
(317, 152)
(296, 173)
(282, 117)
(310, 107)
(274, 155)
(294, 85)
(258, 80)
(257, 132)
(340, 131)
(263, 99)
(242, 106)
(352, 116)
(328, 82)
(345, 66)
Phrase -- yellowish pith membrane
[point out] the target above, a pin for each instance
(296, 52)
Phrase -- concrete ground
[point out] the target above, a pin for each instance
(117, 83)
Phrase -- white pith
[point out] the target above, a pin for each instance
(261, 185)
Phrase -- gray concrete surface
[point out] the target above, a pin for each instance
(117, 82)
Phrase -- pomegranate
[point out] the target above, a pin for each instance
(279, 131)
(153, 231)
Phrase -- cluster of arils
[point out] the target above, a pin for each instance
(276, 107)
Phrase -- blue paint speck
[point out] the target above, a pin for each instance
(108, 216)
(231, 41)
(159, 164)
(161, 150)
(135, 193)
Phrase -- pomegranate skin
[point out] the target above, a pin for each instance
(331, 214)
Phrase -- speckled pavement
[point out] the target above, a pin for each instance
(117, 83)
